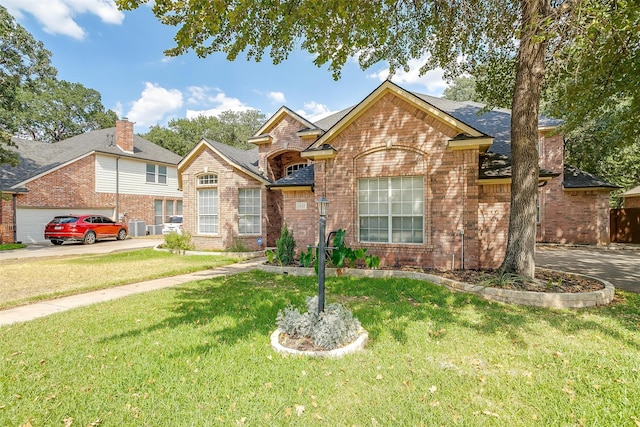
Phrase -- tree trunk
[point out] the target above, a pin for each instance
(519, 257)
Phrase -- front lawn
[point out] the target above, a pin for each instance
(29, 280)
(199, 355)
(11, 246)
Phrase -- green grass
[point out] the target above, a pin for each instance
(11, 246)
(199, 355)
(29, 280)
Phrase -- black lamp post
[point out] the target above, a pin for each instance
(322, 210)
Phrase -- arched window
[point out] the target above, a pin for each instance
(295, 167)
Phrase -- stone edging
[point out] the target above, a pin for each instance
(357, 345)
(537, 299)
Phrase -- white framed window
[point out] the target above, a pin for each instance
(249, 205)
(209, 179)
(208, 208)
(208, 204)
(156, 174)
(157, 212)
(292, 168)
(391, 209)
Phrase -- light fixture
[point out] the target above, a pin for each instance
(322, 206)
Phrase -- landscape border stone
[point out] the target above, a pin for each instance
(529, 298)
(355, 346)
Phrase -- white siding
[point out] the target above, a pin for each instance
(132, 174)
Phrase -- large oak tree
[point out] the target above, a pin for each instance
(23, 60)
(456, 35)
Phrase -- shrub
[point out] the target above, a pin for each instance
(178, 242)
(333, 328)
(285, 247)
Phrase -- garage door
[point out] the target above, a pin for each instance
(30, 222)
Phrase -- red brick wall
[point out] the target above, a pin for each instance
(229, 181)
(418, 146)
(6, 218)
(301, 213)
(569, 216)
(493, 223)
(632, 202)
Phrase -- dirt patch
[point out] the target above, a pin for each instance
(545, 280)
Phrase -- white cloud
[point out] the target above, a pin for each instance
(57, 16)
(432, 80)
(277, 97)
(213, 102)
(314, 111)
(154, 104)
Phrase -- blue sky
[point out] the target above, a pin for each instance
(120, 54)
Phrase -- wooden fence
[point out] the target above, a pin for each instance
(625, 225)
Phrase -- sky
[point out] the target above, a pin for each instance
(120, 54)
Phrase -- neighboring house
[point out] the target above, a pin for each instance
(414, 179)
(632, 198)
(109, 171)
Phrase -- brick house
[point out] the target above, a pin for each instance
(416, 180)
(108, 171)
(632, 198)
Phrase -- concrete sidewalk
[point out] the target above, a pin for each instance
(44, 308)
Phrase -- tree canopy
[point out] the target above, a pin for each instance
(54, 110)
(231, 128)
(530, 36)
(23, 60)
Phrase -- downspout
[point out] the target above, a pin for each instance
(464, 196)
(117, 215)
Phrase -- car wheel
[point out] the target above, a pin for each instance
(56, 242)
(89, 238)
(122, 234)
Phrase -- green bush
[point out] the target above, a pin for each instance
(333, 328)
(178, 242)
(285, 247)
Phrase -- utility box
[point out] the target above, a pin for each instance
(137, 228)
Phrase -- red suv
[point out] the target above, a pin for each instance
(85, 228)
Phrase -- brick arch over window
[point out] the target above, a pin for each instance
(278, 161)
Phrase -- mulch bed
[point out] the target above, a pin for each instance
(545, 280)
(298, 342)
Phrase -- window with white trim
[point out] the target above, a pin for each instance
(293, 168)
(156, 174)
(249, 218)
(391, 209)
(208, 205)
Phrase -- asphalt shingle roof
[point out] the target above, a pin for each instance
(248, 159)
(37, 157)
(301, 178)
(575, 178)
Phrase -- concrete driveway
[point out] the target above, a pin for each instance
(618, 266)
(45, 250)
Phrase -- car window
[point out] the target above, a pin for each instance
(64, 220)
(105, 220)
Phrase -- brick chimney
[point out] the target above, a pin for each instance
(124, 135)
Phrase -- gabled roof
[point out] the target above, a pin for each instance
(634, 192)
(574, 178)
(339, 121)
(243, 160)
(38, 158)
(276, 117)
